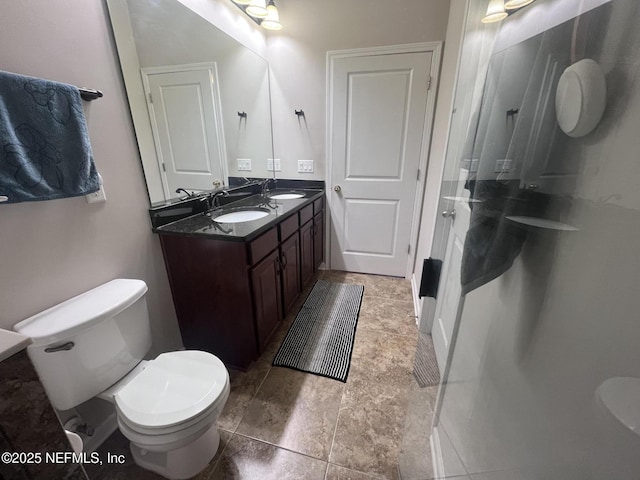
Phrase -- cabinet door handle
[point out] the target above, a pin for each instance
(284, 264)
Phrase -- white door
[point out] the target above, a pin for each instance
(457, 211)
(378, 111)
(187, 126)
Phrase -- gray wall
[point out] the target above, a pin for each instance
(53, 250)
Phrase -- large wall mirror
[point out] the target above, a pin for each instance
(199, 99)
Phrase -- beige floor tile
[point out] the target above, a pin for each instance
(388, 315)
(379, 357)
(295, 410)
(344, 277)
(244, 386)
(368, 437)
(372, 414)
(336, 472)
(248, 459)
(388, 287)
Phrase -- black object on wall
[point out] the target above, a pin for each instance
(430, 280)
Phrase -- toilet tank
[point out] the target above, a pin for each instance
(84, 345)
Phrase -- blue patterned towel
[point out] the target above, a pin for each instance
(45, 151)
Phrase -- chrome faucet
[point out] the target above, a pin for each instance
(189, 194)
(213, 198)
(264, 186)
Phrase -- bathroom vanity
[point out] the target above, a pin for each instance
(232, 283)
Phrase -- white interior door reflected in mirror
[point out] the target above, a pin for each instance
(185, 98)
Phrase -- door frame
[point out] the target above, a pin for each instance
(435, 48)
(217, 108)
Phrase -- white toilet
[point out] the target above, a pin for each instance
(93, 345)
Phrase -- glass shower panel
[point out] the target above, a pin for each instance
(542, 379)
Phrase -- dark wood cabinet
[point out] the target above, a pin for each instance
(318, 240)
(230, 296)
(265, 278)
(212, 294)
(307, 266)
(290, 260)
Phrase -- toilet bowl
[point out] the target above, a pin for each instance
(171, 404)
(93, 346)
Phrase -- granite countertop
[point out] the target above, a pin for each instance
(202, 224)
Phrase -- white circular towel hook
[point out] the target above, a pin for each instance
(581, 98)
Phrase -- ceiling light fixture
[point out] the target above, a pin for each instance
(257, 8)
(242, 2)
(515, 4)
(272, 21)
(495, 12)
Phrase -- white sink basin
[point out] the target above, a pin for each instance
(286, 196)
(241, 216)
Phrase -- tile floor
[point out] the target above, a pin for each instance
(283, 424)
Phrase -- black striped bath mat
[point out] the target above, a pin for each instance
(320, 340)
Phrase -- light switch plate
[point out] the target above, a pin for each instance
(271, 162)
(503, 166)
(305, 166)
(244, 164)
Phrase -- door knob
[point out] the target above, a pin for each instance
(449, 214)
(337, 188)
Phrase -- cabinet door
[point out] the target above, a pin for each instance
(306, 253)
(265, 277)
(318, 240)
(290, 259)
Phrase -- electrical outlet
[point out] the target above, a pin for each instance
(503, 166)
(244, 164)
(99, 196)
(305, 166)
(273, 162)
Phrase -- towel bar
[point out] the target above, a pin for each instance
(89, 94)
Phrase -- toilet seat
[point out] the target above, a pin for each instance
(173, 437)
(175, 391)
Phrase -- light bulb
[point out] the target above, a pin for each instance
(272, 21)
(515, 4)
(495, 12)
(257, 8)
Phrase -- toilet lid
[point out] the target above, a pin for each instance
(172, 389)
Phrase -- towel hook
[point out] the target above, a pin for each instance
(299, 113)
(513, 112)
(242, 114)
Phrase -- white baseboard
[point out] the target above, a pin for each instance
(436, 454)
(417, 304)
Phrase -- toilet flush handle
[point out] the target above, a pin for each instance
(60, 348)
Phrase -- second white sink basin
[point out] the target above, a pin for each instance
(241, 216)
(286, 196)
